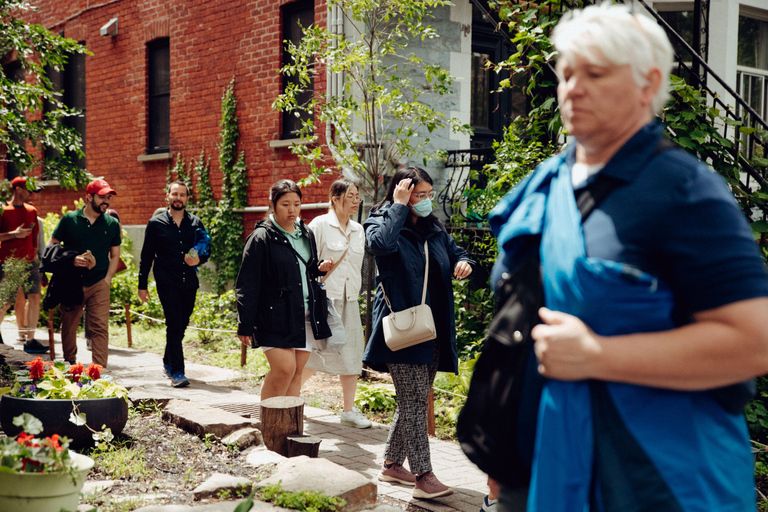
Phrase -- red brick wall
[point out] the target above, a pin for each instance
(210, 43)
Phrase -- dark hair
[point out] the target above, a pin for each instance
(177, 182)
(340, 187)
(280, 188)
(417, 175)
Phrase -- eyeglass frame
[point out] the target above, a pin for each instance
(421, 196)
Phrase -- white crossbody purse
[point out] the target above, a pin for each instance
(403, 329)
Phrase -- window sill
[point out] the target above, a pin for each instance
(286, 143)
(155, 156)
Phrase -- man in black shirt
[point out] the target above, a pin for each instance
(169, 243)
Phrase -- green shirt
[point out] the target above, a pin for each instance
(76, 232)
(300, 244)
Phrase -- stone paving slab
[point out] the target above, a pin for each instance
(360, 450)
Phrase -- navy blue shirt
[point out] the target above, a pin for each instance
(675, 219)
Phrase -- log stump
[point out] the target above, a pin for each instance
(281, 416)
(303, 445)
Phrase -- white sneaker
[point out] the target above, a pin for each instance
(355, 419)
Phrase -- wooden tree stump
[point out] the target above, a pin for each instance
(281, 416)
(303, 445)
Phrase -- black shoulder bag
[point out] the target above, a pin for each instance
(503, 398)
(496, 428)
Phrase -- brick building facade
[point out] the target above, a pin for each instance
(208, 44)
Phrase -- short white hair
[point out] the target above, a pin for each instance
(622, 38)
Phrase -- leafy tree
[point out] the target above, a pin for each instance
(22, 117)
(384, 112)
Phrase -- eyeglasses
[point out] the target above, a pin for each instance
(425, 195)
(354, 199)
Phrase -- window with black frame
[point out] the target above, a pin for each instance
(158, 96)
(14, 72)
(295, 16)
(70, 82)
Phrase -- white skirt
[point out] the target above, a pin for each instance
(349, 361)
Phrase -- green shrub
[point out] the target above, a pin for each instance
(214, 311)
(756, 412)
(375, 398)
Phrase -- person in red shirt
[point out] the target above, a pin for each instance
(18, 239)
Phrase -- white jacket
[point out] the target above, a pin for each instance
(332, 241)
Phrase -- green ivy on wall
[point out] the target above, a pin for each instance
(224, 226)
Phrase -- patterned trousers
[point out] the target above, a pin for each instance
(408, 438)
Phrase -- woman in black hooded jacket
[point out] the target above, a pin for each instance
(278, 307)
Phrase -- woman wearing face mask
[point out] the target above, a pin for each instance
(275, 302)
(396, 231)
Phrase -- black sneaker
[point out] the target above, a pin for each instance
(35, 347)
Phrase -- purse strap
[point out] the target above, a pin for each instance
(424, 291)
(338, 262)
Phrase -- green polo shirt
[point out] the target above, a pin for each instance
(76, 232)
(300, 244)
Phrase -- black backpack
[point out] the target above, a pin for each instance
(497, 426)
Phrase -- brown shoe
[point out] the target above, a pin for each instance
(428, 487)
(397, 473)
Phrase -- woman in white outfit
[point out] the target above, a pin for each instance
(342, 240)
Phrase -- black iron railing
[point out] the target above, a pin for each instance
(745, 143)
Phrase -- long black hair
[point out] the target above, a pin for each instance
(417, 175)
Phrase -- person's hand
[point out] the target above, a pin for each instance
(21, 232)
(325, 265)
(462, 270)
(191, 261)
(144, 296)
(244, 340)
(402, 193)
(81, 261)
(566, 348)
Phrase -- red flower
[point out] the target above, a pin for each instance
(76, 370)
(53, 442)
(36, 368)
(94, 371)
(24, 439)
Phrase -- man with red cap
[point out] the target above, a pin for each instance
(96, 238)
(18, 239)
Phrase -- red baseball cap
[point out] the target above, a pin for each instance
(21, 182)
(100, 188)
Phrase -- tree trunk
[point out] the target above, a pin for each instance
(303, 445)
(281, 416)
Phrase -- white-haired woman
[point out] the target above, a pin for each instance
(656, 303)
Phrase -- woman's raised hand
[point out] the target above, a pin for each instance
(402, 193)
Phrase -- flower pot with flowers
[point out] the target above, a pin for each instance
(77, 402)
(39, 474)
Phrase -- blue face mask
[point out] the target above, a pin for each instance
(422, 208)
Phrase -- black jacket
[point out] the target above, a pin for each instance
(165, 245)
(270, 299)
(66, 285)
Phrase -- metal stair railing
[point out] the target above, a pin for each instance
(742, 151)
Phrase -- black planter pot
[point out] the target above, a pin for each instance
(54, 413)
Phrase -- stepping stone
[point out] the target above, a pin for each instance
(305, 474)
